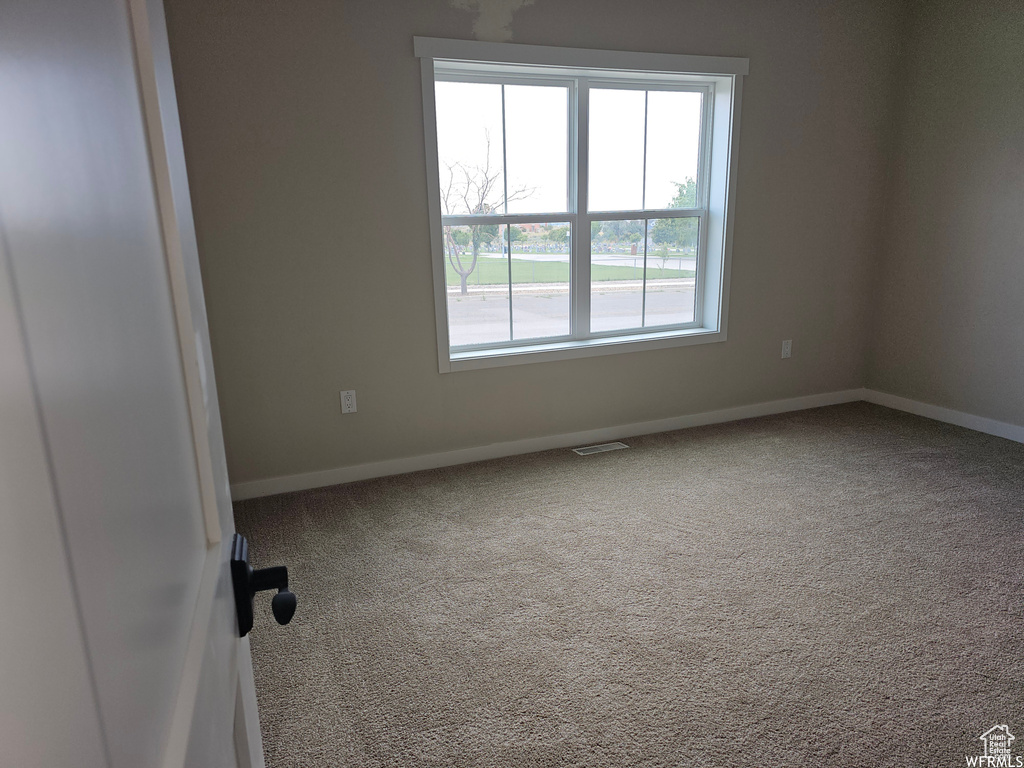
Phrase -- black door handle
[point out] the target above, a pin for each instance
(247, 582)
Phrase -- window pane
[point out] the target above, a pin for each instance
(673, 149)
(536, 146)
(616, 275)
(476, 284)
(469, 160)
(616, 150)
(540, 279)
(671, 271)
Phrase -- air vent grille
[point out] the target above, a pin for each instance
(587, 450)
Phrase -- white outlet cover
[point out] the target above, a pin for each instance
(348, 401)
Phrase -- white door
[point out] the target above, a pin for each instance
(118, 644)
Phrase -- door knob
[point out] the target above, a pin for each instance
(247, 582)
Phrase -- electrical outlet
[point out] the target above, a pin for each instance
(787, 348)
(348, 401)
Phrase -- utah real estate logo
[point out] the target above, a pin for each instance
(997, 741)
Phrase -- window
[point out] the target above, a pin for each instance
(580, 200)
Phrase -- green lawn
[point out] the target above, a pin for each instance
(492, 270)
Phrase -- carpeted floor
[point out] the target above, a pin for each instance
(834, 587)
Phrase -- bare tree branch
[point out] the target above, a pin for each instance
(479, 192)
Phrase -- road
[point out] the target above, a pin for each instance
(541, 310)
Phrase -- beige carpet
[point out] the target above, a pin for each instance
(835, 587)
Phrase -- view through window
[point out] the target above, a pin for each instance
(574, 204)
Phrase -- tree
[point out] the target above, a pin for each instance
(678, 233)
(481, 234)
(558, 235)
(617, 231)
(474, 189)
(515, 234)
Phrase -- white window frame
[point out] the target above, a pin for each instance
(720, 78)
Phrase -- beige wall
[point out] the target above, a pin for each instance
(302, 124)
(950, 324)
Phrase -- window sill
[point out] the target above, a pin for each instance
(567, 350)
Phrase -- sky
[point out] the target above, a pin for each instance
(536, 147)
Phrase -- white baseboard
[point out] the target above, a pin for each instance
(948, 415)
(305, 481)
(270, 486)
